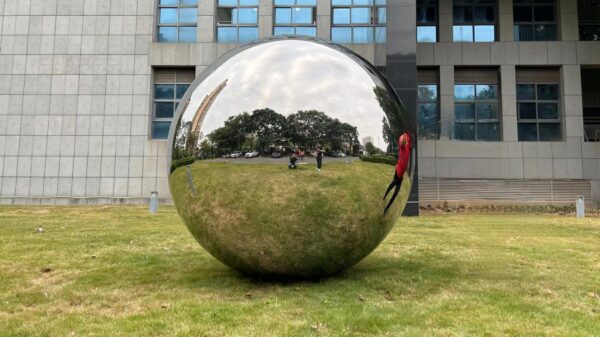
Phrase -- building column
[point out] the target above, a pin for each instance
(445, 20)
(401, 71)
(568, 21)
(324, 19)
(572, 113)
(265, 18)
(446, 102)
(572, 101)
(505, 21)
(206, 21)
(508, 96)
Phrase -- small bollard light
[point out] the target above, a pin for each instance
(153, 202)
(580, 207)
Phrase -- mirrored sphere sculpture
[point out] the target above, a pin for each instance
(290, 158)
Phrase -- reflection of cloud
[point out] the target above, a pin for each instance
(288, 76)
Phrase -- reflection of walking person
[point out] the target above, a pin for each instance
(319, 155)
(404, 146)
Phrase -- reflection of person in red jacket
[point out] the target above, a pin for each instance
(404, 146)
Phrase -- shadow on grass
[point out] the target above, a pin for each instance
(419, 275)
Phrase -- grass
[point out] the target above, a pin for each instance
(118, 271)
(314, 223)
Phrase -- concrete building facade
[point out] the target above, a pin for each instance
(84, 86)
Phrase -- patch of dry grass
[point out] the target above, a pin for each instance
(118, 271)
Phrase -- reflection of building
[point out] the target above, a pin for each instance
(205, 106)
(367, 140)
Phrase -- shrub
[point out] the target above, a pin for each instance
(384, 159)
(181, 162)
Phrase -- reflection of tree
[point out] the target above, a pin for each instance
(308, 127)
(267, 127)
(185, 142)
(266, 130)
(233, 134)
(394, 122)
(372, 149)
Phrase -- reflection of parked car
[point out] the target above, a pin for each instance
(338, 154)
(276, 154)
(252, 154)
(236, 154)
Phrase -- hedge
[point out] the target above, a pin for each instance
(384, 159)
(181, 162)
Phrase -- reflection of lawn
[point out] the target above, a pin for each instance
(121, 272)
(299, 216)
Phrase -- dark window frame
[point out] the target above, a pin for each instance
(475, 120)
(292, 24)
(537, 103)
(423, 4)
(237, 25)
(473, 23)
(374, 24)
(588, 21)
(176, 25)
(533, 23)
(436, 101)
(175, 101)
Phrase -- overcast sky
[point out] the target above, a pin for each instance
(292, 75)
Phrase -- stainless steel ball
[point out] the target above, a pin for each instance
(291, 157)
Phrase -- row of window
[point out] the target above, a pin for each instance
(353, 21)
(477, 105)
(364, 21)
(477, 112)
(533, 20)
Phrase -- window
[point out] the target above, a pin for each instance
(428, 107)
(295, 17)
(358, 21)
(237, 21)
(535, 20)
(538, 104)
(474, 21)
(427, 20)
(589, 20)
(590, 88)
(170, 84)
(177, 20)
(476, 106)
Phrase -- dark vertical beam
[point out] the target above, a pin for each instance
(401, 71)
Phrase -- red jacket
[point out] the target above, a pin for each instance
(404, 146)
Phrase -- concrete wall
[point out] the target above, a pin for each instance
(75, 90)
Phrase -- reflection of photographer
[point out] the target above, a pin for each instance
(404, 147)
(296, 155)
(319, 155)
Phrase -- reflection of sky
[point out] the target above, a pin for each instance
(288, 76)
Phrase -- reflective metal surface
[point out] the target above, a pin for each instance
(279, 164)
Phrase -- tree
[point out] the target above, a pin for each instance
(232, 135)
(394, 122)
(185, 141)
(370, 148)
(268, 127)
(341, 135)
(307, 128)
(206, 149)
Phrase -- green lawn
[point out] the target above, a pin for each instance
(118, 271)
